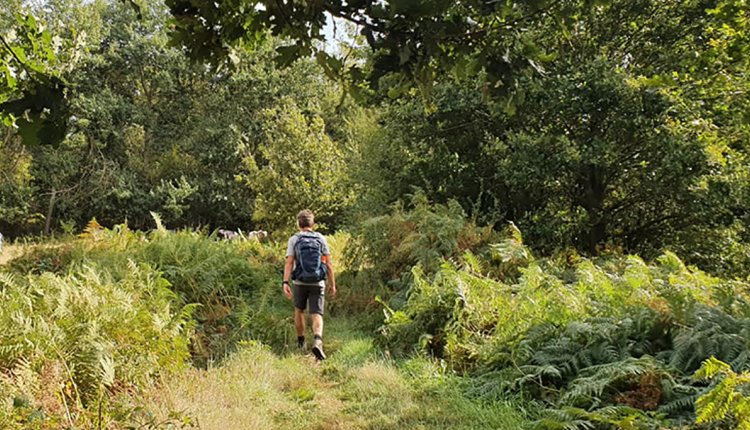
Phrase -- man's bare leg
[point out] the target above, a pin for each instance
(317, 324)
(317, 349)
(299, 321)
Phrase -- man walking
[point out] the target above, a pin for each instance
(308, 265)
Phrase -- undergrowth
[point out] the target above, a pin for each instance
(74, 345)
(597, 343)
(93, 320)
(477, 323)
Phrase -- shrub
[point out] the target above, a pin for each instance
(228, 280)
(386, 248)
(600, 343)
(73, 343)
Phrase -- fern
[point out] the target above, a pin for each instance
(7, 280)
(620, 417)
(590, 386)
(157, 220)
(717, 334)
(728, 399)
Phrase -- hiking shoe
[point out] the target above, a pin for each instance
(317, 349)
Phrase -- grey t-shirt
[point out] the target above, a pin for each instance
(290, 252)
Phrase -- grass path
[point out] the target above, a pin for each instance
(356, 388)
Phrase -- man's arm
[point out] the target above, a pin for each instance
(287, 276)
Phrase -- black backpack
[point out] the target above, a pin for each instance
(308, 253)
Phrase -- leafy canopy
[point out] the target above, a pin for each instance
(411, 41)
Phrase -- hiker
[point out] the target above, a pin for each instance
(308, 267)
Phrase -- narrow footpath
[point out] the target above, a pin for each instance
(355, 388)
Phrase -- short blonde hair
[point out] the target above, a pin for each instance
(305, 218)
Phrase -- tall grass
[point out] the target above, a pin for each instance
(357, 388)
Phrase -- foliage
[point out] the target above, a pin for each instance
(421, 234)
(296, 165)
(16, 188)
(564, 181)
(599, 342)
(621, 115)
(115, 303)
(27, 60)
(77, 343)
(727, 401)
(200, 270)
(412, 42)
(149, 131)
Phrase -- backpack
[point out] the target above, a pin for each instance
(308, 252)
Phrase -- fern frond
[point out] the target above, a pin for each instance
(157, 220)
(594, 380)
(727, 398)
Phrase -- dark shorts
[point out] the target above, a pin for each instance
(314, 295)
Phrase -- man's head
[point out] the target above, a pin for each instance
(305, 219)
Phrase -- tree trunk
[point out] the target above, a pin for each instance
(50, 210)
(594, 196)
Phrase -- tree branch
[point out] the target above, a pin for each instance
(10, 49)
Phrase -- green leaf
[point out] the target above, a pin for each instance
(9, 79)
(331, 66)
(404, 55)
(395, 92)
(287, 55)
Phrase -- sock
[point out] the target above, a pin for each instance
(317, 336)
(300, 340)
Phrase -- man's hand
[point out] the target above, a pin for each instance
(287, 291)
(332, 290)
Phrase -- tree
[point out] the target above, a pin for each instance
(595, 157)
(30, 88)
(16, 187)
(412, 41)
(606, 146)
(147, 130)
(296, 166)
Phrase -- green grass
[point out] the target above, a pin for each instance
(357, 388)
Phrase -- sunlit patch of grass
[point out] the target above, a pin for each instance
(357, 388)
(7, 253)
(253, 389)
(380, 395)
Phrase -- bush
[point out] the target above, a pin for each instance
(76, 343)
(387, 247)
(228, 280)
(600, 343)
